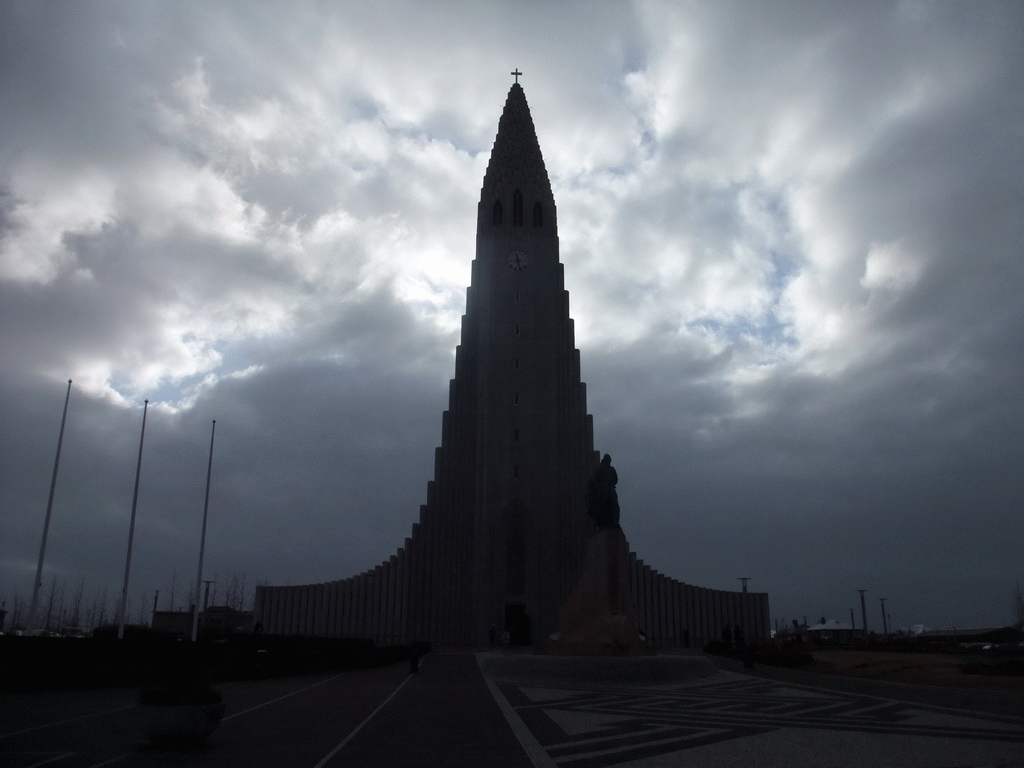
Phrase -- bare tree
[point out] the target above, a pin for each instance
(50, 600)
(236, 591)
(98, 610)
(142, 608)
(230, 590)
(76, 605)
(243, 596)
(62, 619)
(17, 611)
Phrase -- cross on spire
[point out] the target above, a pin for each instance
(517, 74)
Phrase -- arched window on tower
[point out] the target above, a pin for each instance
(496, 213)
(538, 215)
(517, 209)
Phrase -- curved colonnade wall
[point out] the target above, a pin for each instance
(390, 605)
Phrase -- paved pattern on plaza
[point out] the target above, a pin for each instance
(733, 719)
(501, 711)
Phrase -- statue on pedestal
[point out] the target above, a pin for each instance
(602, 500)
(599, 618)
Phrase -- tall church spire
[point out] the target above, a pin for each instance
(516, 160)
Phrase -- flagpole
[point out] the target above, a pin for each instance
(123, 609)
(202, 539)
(46, 524)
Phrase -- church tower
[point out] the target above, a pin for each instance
(517, 443)
(500, 540)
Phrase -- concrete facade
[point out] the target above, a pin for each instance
(500, 540)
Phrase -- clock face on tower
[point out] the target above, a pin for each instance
(518, 260)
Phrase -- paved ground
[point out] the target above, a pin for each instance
(732, 718)
(453, 714)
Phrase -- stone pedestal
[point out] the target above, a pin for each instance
(599, 618)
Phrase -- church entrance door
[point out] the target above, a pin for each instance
(517, 624)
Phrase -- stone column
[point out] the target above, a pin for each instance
(346, 608)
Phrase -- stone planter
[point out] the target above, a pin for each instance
(185, 709)
(180, 723)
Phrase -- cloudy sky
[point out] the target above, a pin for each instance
(792, 236)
